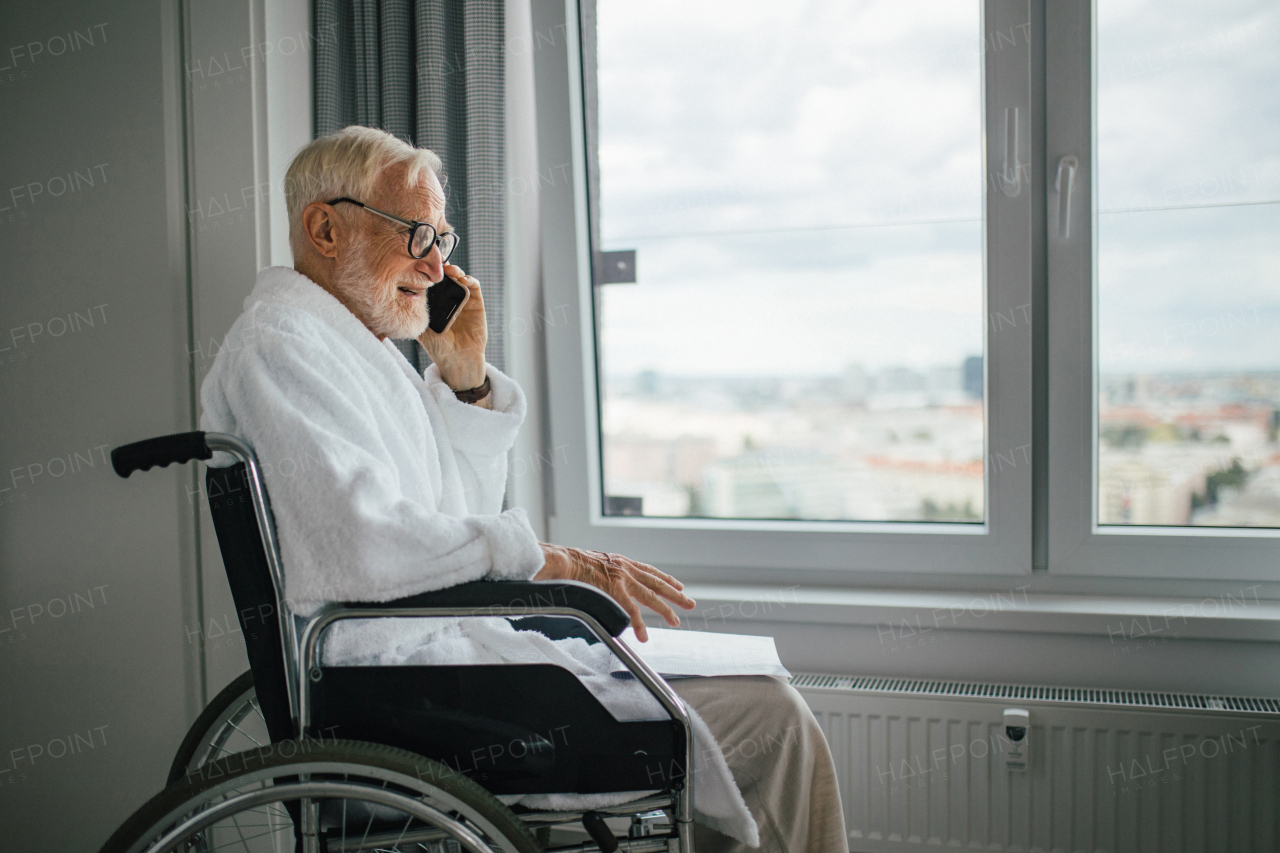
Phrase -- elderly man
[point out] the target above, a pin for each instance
(386, 482)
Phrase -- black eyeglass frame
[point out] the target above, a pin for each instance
(413, 227)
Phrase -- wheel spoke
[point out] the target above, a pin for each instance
(271, 816)
(243, 732)
(403, 830)
(246, 810)
(236, 823)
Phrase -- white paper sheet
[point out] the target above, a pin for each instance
(680, 654)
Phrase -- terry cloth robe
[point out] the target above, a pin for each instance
(384, 485)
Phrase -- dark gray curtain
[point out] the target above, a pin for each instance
(432, 74)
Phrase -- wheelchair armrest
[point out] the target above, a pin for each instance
(495, 598)
(482, 595)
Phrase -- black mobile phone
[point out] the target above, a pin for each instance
(444, 298)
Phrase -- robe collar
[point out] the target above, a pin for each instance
(288, 287)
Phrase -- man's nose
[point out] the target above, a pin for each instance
(432, 266)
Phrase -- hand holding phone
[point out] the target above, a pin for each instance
(445, 299)
(457, 332)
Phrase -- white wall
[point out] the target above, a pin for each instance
(96, 692)
(184, 115)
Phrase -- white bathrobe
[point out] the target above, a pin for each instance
(384, 485)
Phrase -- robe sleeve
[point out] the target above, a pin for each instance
(480, 437)
(347, 531)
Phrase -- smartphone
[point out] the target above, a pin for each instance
(444, 298)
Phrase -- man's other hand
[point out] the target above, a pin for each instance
(627, 581)
(459, 350)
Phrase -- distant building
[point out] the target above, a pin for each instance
(647, 382)
(854, 384)
(654, 476)
(775, 483)
(899, 380)
(1132, 491)
(972, 371)
(945, 384)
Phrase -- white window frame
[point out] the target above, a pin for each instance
(999, 546)
(1078, 545)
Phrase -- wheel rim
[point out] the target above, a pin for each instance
(241, 727)
(203, 823)
(345, 788)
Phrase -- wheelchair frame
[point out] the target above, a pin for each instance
(301, 653)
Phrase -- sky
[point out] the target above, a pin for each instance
(1188, 116)
(803, 184)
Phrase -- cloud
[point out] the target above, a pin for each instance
(749, 116)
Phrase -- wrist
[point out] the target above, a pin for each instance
(553, 562)
(463, 374)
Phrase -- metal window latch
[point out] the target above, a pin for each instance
(1011, 172)
(1067, 165)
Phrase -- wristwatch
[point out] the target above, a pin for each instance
(473, 395)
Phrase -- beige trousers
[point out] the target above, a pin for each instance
(780, 760)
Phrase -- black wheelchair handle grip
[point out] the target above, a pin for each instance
(163, 451)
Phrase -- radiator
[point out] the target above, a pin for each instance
(924, 764)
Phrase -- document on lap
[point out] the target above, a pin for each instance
(687, 654)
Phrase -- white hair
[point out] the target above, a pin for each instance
(347, 163)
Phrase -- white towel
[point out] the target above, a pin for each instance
(384, 485)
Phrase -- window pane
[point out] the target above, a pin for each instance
(802, 184)
(1188, 270)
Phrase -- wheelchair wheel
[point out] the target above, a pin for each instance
(232, 722)
(344, 795)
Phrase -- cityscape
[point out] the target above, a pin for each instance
(900, 444)
(896, 444)
(1196, 449)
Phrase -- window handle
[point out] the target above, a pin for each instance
(1068, 165)
(1011, 175)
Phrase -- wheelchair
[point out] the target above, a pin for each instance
(297, 755)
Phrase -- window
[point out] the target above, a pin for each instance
(805, 337)
(811, 252)
(1166, 299)
(1187, 274)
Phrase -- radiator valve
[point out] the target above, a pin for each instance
(1017, 736)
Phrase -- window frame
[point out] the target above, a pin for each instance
(1000, 546)
(1078, 545)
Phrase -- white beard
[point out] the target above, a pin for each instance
(379, 303)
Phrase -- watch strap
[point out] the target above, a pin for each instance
(476, 394)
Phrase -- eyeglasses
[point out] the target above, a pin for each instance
(422, 235)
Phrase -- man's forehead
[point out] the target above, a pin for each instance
(422, 201)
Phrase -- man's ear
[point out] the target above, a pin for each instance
(321, 228)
